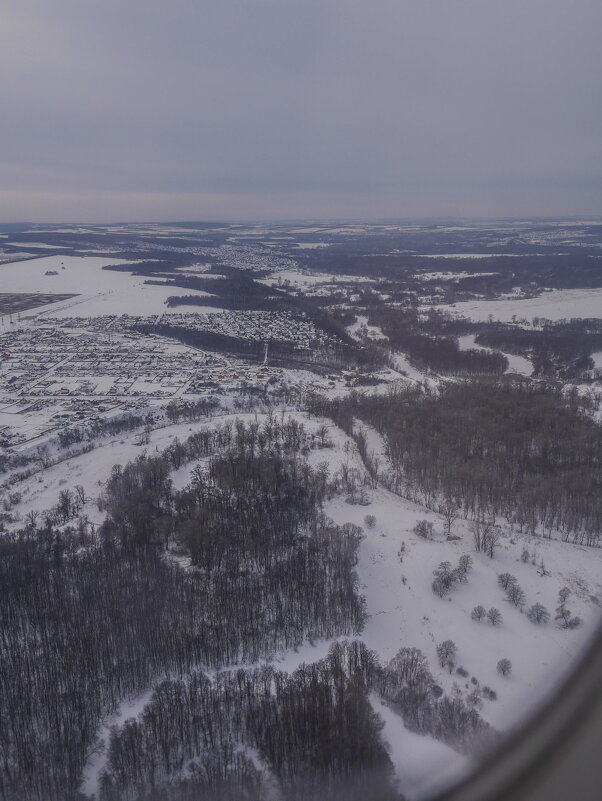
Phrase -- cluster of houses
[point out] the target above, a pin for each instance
(256, 326)
(60, 372)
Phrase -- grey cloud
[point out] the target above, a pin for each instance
(268, 107)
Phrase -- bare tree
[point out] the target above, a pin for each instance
(538, 614)
(445, 578)
(478, 613)
(464, 567)
(43, 455)
(564, 616)
(446, 653)
(31, 518)
(516, 595)
(322, 434)
(505, 580)
(80, 494)
(504, 667)
(449, 511)
(486, 536)
(494, 616)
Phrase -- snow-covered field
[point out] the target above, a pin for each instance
(100, 292)
(553, 305)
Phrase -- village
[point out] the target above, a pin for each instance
(57, 373)
(254, 326)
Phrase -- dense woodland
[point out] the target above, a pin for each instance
(312, 734)
(525, 451)
(315, 733)
(89, 618)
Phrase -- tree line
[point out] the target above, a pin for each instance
(521, 450)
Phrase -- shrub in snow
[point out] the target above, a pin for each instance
(504, 667)
(564, 616)
(505, 580)
(462, 672)
(478, 613)
(516, 596)
(494, 616)
(445, 578)
(464, 566)
(538, 614)
(402, 551)
(473, 699)
(370, 521)
(446, 652)
(423, 529)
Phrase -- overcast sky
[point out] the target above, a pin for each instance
(252, 109)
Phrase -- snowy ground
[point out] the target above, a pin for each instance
(99, 291)
(404, 612)
(553, 305)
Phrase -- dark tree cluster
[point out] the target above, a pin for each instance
(333, 354)
(191, 410)
(103, 426)
(90, 619)
(409, 332)
(446, 577)
(409, 687)
(314, 732)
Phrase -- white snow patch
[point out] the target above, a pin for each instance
(553, 305)
(100, 292)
